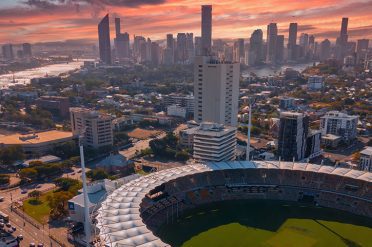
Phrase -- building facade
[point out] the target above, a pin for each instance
(339, 124)
(293, 131)
(216, 91)
(97, 128)
(214, 142)
(104, 40)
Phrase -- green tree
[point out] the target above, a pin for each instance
(35, 194)
(58, 204)
(29, 173)
(9, 155)
(97, 174)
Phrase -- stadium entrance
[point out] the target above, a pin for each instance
(266, 222)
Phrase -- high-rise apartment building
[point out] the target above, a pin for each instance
(206, 30)
(293, 132)
(292, 42)
(339, 124)
(216, 91)
(198, 46)
(8, 53)
(94, 126)
(272, 33)
(325, 50)
(214, 142)
(26, 47)
(121, 42)
(256, 48)
(181, 47)
(279, 53)
(104, 40)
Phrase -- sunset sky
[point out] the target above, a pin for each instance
(57, 20)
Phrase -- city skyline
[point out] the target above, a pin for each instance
(45, 20)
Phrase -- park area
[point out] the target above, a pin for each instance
(143, 134)
(38, 209)
(267, 223)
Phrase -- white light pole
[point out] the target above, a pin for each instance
(249, 132)
(85, 193)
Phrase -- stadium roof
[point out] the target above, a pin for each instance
(119, 218)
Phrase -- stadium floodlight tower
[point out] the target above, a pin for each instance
(248, 151)
(85, 192)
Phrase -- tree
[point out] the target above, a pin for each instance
(97, 174)
(9, 155)
(58, 204)
(29, 173)
(67, 184)
(35, 194)
(4, 179)
(182, 156)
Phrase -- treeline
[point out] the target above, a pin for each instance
(168, 147)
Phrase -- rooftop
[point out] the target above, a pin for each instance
(36, 138)
(367, 151)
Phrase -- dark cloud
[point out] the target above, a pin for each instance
(352, 32)
(300, 28)
(41, 4)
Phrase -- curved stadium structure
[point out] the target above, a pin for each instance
(132, 214)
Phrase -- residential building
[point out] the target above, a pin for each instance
(315, 82)
(214, 142)
(331, 141)
(104, 40)
(365, 161)
(97, 128)
(286, 103)
(176, 111)
(216, 91)
(8, 53)
(313, 144)
(293, 131)
(26, 48)
(187, 101)
(186, 137)
(325, 50)
(57, 105)
(340, 124)
(272, 33)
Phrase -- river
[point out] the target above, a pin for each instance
(265, 71)
(24, 77)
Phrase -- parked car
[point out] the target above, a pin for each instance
(20, 237)
(14, 228)
(1, 198)
(8, 225)
(23, 191)
(32, 245)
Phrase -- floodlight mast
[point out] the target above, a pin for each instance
(249, 132)
(85, 192)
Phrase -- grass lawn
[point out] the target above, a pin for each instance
(39, 211)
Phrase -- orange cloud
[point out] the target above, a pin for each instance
(76, 19)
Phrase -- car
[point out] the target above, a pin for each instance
(38, 186)
(10, 231)
(2, 225)
(32, 245)
(20, 237)
(14, 228)
(73, 173)
(1, 198)
(23, 191)
(40, 245)
(8, 225)
(79, 171)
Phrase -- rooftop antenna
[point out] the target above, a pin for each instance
(85, 192)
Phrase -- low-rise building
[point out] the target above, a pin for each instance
(37, 144)
(55, 104)
(176, 111)
(214, 142)
(315, 82)
(365, 162)
(340, 124)
(331, 141)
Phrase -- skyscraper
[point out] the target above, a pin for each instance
(198, 46)
(325, 50)
(362, 50)
(117, 26)
(293, 132)
(8, 53)
(216, 90)
(272, 33)
(26, 47)
(279, 53)
(292, 42)
(256, 48)
(121, 41)
(341, 43)
(206, 30)
(104, 40)
(181, 48)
